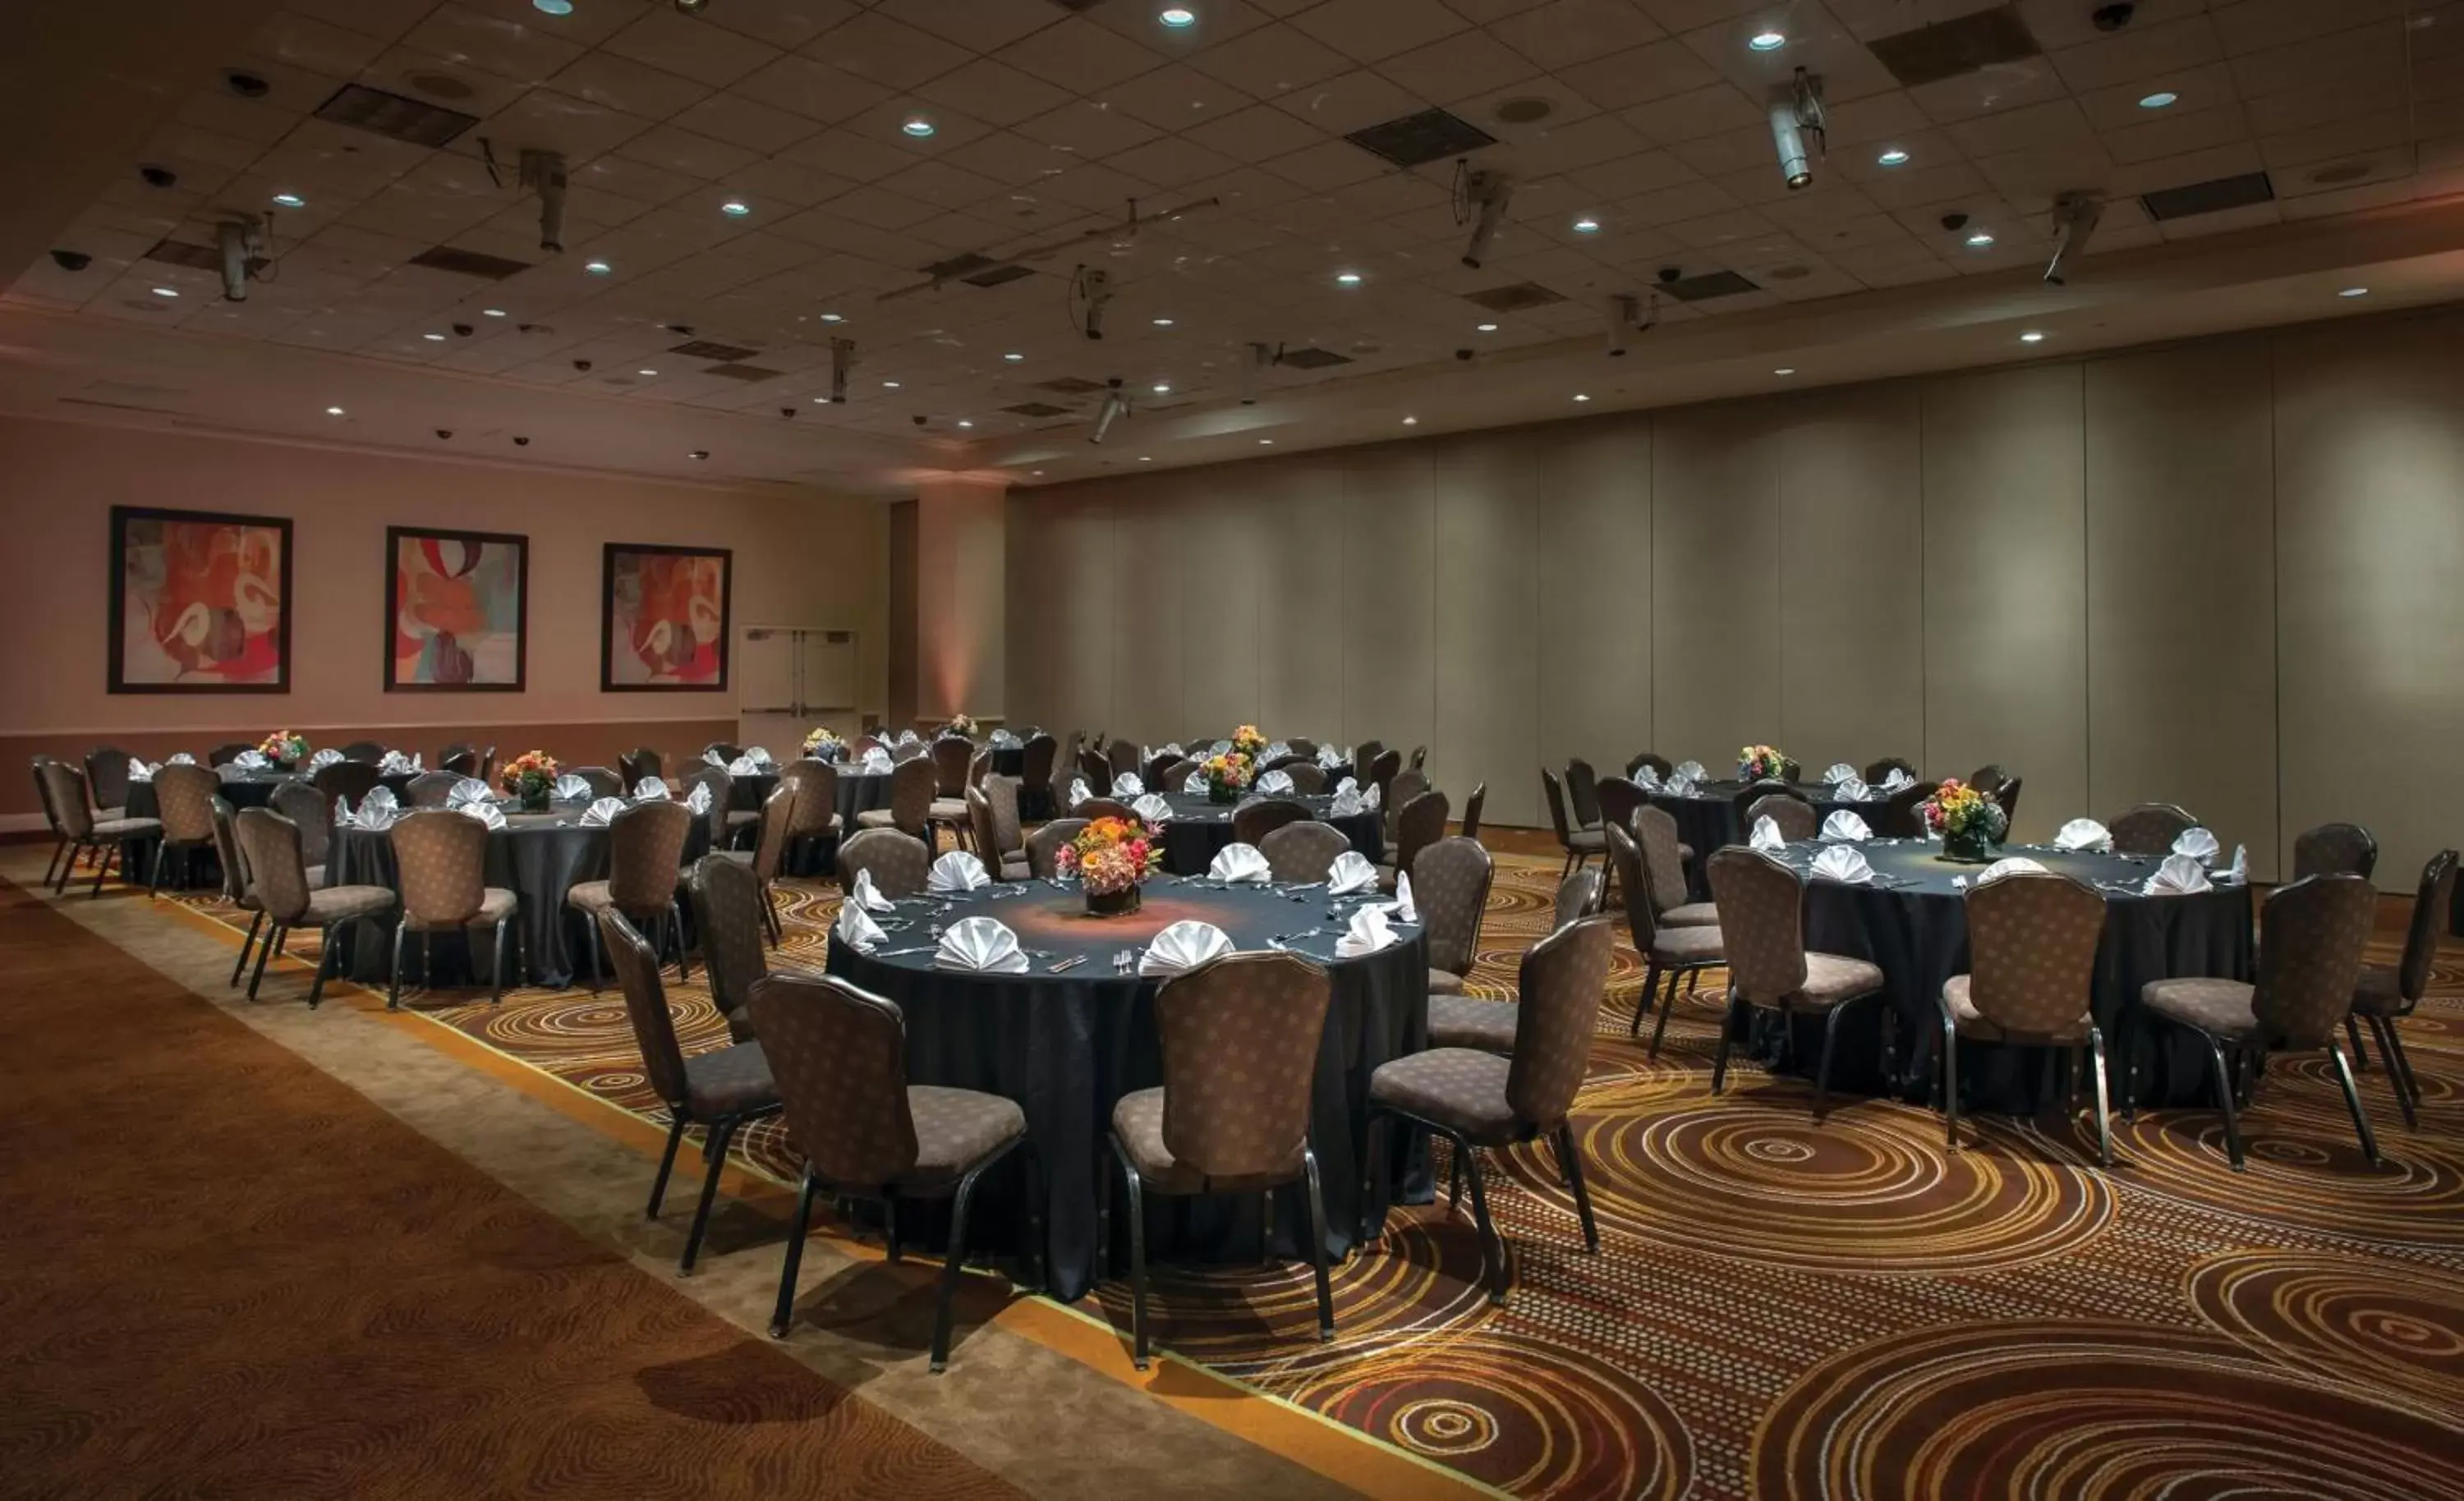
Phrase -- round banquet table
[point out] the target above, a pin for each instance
(538, 856)
(241, 790)
(1711, 818)
(858, 793)
(1199, 830)
(1066, 1046)
(1916, 928)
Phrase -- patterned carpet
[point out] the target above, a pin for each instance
(1850, 1310)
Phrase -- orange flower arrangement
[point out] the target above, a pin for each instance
(1110, 855)
(1755, 763)
(1228, 776)
(285, 746)
(1248, 742)
(531, 773)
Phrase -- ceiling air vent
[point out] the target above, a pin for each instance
(1966, 44)
(1416, 140)
(180, 253)
(468, 263)
(2213, 196)
(1077, 5)
(1038, 409)
(737, 372)
(1707, 286)
(395, 114)
(1009, 272)
(1520, 298)
(707, 349)
(975, 271)
(1072, 385)
(1312, 358)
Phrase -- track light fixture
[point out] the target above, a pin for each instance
(691, 7)
(1091, 287)
(1253, 370)
(238, 243)
(1797, 117)
(545, 172)
(1116, 407)
(1625, 322)
(2075, 219)
(841, 360)
(1482, 197)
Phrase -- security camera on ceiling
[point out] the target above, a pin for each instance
(1626, 323)
(237, 243)
(544, 172)
(1481, 196)
(71, 260)
(2112, 17)
(841, 360)
(1091, 286)
(1254, 364)
(157, 176)
(2075, 219)
(1116, 407)
(1797, 117)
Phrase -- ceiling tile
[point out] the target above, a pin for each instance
(863, 158)
(1258, 133)
(1176, 98)
(742, 122)
(977, 25)
(316, 47)
(1269, 61)
(1089, 129)
(894, 55)
(1172, 162)
(804, 86)
(2138, 52)
(506, 46)
(1367, 31)
(554, 121)
(993, 92)
(1640, 74)
(681, 151)
(1352, 101)
(1687, 117)
(1564, 33)
(940, 184)
(1081, 57)
(621, 84)
(705, 53)
(785, 24)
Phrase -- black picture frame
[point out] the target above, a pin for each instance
(394, 538)
(609, 554)
(115, 642)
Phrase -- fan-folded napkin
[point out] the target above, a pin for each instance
(867, 896)
(857, 929)
(2198, 844)
(1766, 836)
(2083, 835)
(1152, 810)
(1845, 826)
(1842, 864)
(957, 871)
(982, 944)
(1350, 872)
(1368, 933)
(1184, 946)
(1238, 862)
(602, 812)
(2180, 876)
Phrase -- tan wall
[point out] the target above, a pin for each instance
(2224, 574)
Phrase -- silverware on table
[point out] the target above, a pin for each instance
(1071, 962)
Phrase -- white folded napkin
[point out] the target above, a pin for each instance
(1220, 746)
(1347, 785)
(1845, 826)
(1898, 779)
(1194, 785)
(570, 788)
(232, 772)
(1851, 791)
(2198, 844)
(959, 870)
(1371, 799)
(1238, 862)
(1184, 946)
(1839, 772)
(1405, 909)
(1368, 933)
(486, 813)
(761, 759)
(142, 771)
(982, 944)
(2084, 833)
(857, 929)
(2013, 865)
(1346, 805)
(1152, 810)
(180, 758)
(1691, 771)
(1276, 750)
(251, 761)
(1766, 836)
(714, 758)
(1275, 782)
(381, 799)
(342, 811)
(906, 737)
(2238, 873)
(1173, 749)
(1350, 872)
(323, 759)
(1680, 785)
(867, 896)
(2180, 876)
(1844, 863)
(698, 799)
(1128, 784)
(876, 761)
(1329, 757)
(466, 791)
(1647, 778)
(649, 789)
(600, 812)
(1078, 793)
(744, 765)
(374, 814)
(1010, 742)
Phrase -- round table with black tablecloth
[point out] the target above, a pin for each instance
(1916, 928)
(537, 856)
(1066, 1046)
(1199, 830)
(241, 790)
(1710, 818)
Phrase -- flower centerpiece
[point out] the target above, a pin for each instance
(284, 748)
(1760, 763)
(1248, 742)
(1968, 822)
(820, 745)
(1111, 858)
(1228, 776)
(962, 726)
(531, 777)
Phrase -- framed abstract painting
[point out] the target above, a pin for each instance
(664, 619)
(200, 603)
(457, 607)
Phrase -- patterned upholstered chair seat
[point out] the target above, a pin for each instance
(1464, 1021)
(1957, 993)
(954, 1129)
(2220, 1008)
(733, 1081)
(1462, 1088)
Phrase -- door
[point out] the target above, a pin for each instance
(790, 679)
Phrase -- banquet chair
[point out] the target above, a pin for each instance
(84, 830)
(368, 751)
(106, 778)
(1664, 868)
(837, 1056)
(1044, 846)
(346, 778)
(1579, 845)
(1381, 774)
(1095, 807)
(1582, 793)
(1472, 806)
(979, 766)
(899, 862)
(1095, 770)
(447, 755)
(1476, 1098)
(1365, 754)
(717, 819)
(1578, 897)
(1239, 1040)
(1668, 952)
(313, 812)
(52, 818)
(1790, 771)
(479, 761)
(1660, 766)
(1899, 818)
(1035, 772)
(2150, 828)
(1308, 779)
(603, 783)
(184, 799)
(430, 788)
(1421, 824)
(1754, 792)
(2387, 994)
(2335, 849)
(768, 857)
(2005, 793)
(1450, 884)
(636, 764)
(227, 752)
(1123, 757)
(442, 863)
(1987, 777)
(1008, 848)
(1303, 850)
(1001, 864)
(1877, 772)
(1618, 798)
(269, 843)
(2032, 936)
(948, 807)
(645, 849)
(1762, 924)
(1302, 746)
(729, 909)
(2309, 969)
(1794, 816)
(721, 1090)
(910, 803)
(1398, 795)
(1256, 818)
(727, 750)
(1419, 758)
(237, 890)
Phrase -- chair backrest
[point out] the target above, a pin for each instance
(2033, 938)
(184, 797)
(1421, 823)
(1419, 758)
(106, 774)
(2149, 829)
(603, 783)
(64, 789)
(235, 882)
(2421, 937)
(303, 804)
(838, 1055)
(1754, 792)
(1564, 976)
(1556, 795)
(1240, 1038)
(773, 833)
(43, 791)
(1302, 745)
(728, 751)
(1258, 817)
(813, 786)
(1035, 762)
(1365, 754)
(636, 764)
(1617, 797)
(1899, 819)
(646, 1006)
(2335, 849)
(1307, 779)
(228, 752)
(1122, 756)
(1987, 777)
(1303, 850)
(1103, 808)
(950, 756)
(1096, 772)
(913, 783)
(1472, 806)
(1381, 774)
(1451, 882)
(1578, 896)
(1664, 860)
(1044, 846)
(646, 845)
(1876, 772)
(2005, 793)
(979, 766)
(1762, 923)
(346, 778)
(1010, 836)
(2314, 933)
(727, 918)
(1634, 888)
(1794, 816)
(440, 864)
(979, 821)
(1582, 792)
(368, 751)
(899, 862)
(270, 843)
(1660, 766)
(723, 796)
(430, 788)
(1398, 795)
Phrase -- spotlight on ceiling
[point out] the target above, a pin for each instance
(736, 208)
(1895, 157)
(1480, 197)
(841, 360)
(2032, 337)
(1116, 407)
(1346, 278)
(918, 127)
(2348, 291)
(1981, 240)
(2075, 218)
(552, 7)
(1766, 41)
(1091, 287)
(289, 201)
(545, 172)
(1797, 117)
(597, 268)
(1179, 18)
(2162, 98)
(693, 7)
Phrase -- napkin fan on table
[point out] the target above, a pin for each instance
(651, 788)
(1370, 799)
(1851, 791)
(1078, 793)
(876, 761)
(1238, 862)
(397, 763)
(570, 788)
(2238, 873)
(982, 944)
(1274, 782)
(1194, 785)
(180, 758)
(341, 813)
(715, 760)
(1897, 780)
(1404, 908)
(906, 737)
(1368, 933)
(323, 759)
(2083, 835)
(1329, 757)
(1128, 784)
(762, 760)
(867, 896)
(466, 791)
(1173, 749)
(602, 812)
(251, 761)
(1003, 740)
(1766, 837)
(1349, 873)
(1222, 746)
(698, 799)
(1184, 946)
(1839, 772)
(743, 766)
(2200, 844)
(1152, 810)
(1845, 827)
(1691, 771)
(1680, 785)
(142, 770)
(2180, 876)
(2014, 865)
(857, 929)
(1647, 777)
(1842, 864)
(957, 871)
(1277, 750)
(1346, 804)
(485, 812)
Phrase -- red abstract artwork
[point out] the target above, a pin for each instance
(664, 618)
(200, 603)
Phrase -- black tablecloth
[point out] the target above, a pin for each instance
(252, 790)
(540, 856)
(1068, 1046)
(1199, 830)
(1918, 933)
(1711, 818)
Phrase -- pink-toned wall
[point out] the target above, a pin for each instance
(801, 558)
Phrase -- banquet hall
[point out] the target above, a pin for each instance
(1537, 748)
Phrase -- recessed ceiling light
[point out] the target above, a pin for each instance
(645, 372)
(433, 338)
(1895, 157)
(333, 411)
(1766, 41)
(736, 208)
(2354, 292)
(1410, 422)
(964, 423)
(832, 317)
(1580, 397)
(918, 127)
(889, 386)
(494, 313)
(1178, 16)
(552, 7)
(289, 201)
(1013, 357)
(1160, 323)
(1587, 225)
(1037, 473)
(2032, 337)
(1144, 459)
(1979, 240)
(597, 268)
(1488, 328)
(1785, 370)
(820, 401)
(1265, 443)
(699, 453)
(2159, 99)
(166, 291)
(1346, 278)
